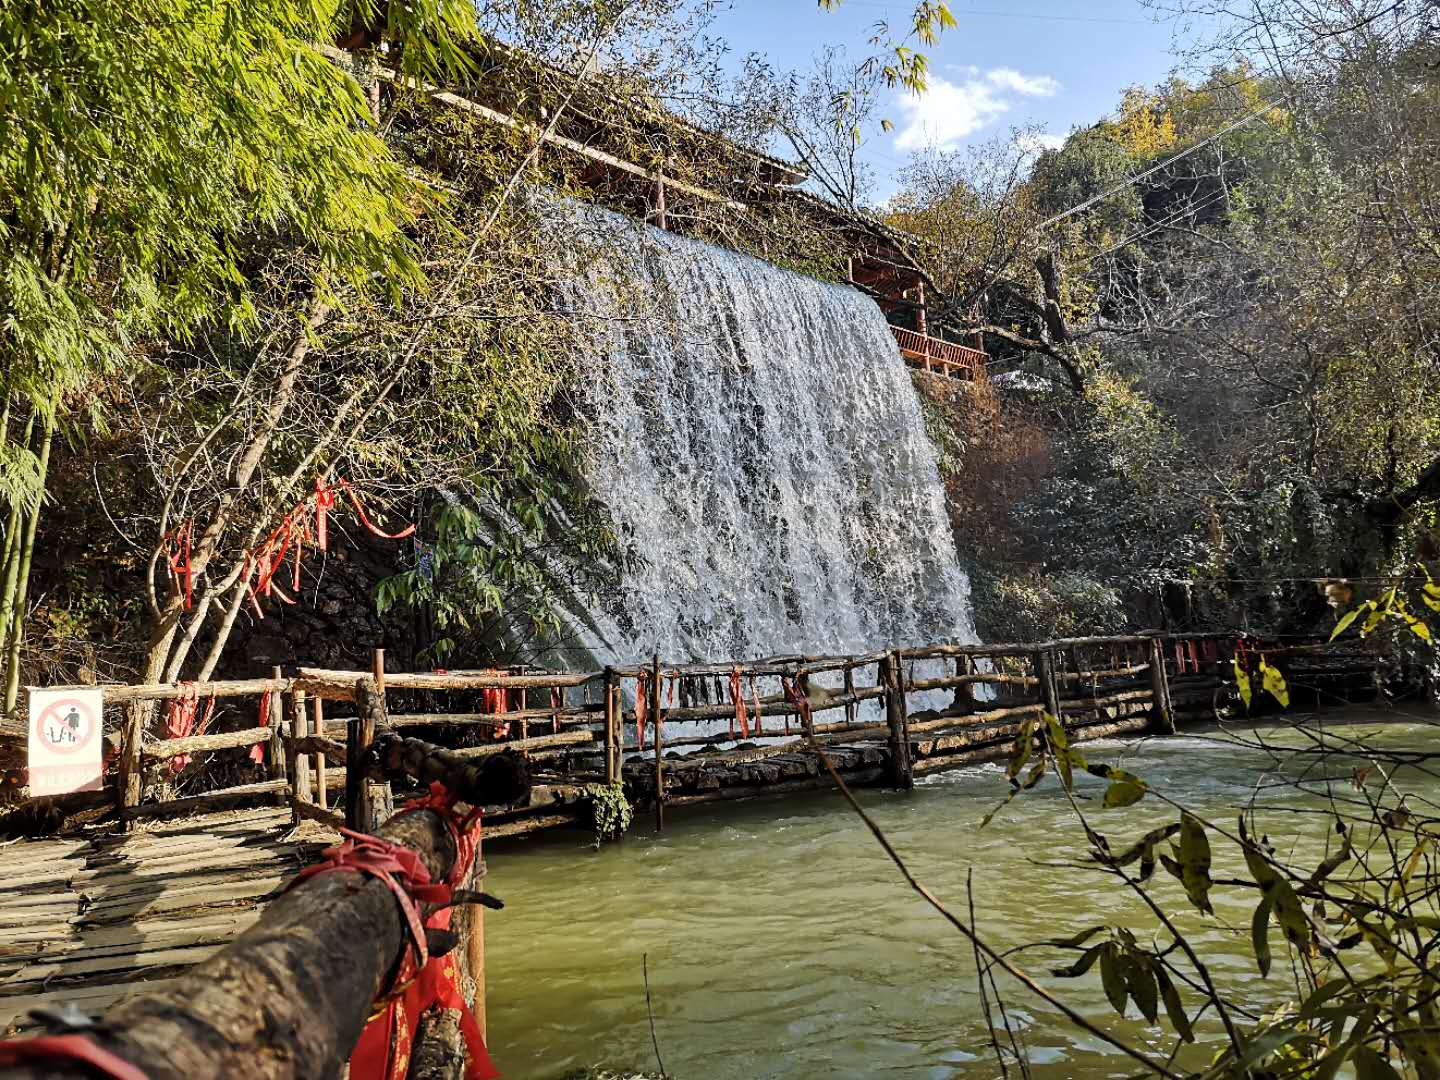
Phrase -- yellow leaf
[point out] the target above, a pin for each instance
(1274, 683)
(1242, 683)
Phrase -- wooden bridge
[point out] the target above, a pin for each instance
(91, 919)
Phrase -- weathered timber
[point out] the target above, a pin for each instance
(1164, 714)
(276, 755)
(225, 740)
(210, 800)
(222, 688)
(288, 998)
(657, 721)
(342, 683)
(320, 751)
(311, 812)
(322, 746)
(299, 762)
(358, 809)
(1045, 672)
(614, 737)
(495, 780)
(892, 676)
(974, 719)
(535, 742)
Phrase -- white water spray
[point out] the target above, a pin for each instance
(761, 450)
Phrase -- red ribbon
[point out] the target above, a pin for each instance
(77, 1048)
(737, 697)
(383, 1049)
(642, 706)
(177, 557)
(257, 752)
(180, 721)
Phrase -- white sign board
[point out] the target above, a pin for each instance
(66, 741)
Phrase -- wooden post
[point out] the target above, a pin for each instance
(892, 677)
(359, 737)
(277, 755)
(965, 694)
(659, 741)
(475, 946)
(849, 691)
(130, 779)
(612, 728)
(661, 219)
(322, 798)
(381, 801)
(1049, 692)
(297, 763)
(1163, 715)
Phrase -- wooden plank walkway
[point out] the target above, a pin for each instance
(90, 921)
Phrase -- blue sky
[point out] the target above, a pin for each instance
(1055, 63)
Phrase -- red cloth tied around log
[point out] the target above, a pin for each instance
(180, 721)
(422, 981)
(58, 1049)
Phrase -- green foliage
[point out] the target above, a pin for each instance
(610, 809)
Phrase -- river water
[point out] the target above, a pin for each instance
(781, 941)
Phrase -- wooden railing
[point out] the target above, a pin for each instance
(943, 357)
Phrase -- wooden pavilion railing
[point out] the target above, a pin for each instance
(944, 357)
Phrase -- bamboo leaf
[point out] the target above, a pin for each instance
(1349, 618)
(1260, 935)
(1144, 990)
(1112, 978)
(1174, 1007)
(1082, 965)
(1194, 853)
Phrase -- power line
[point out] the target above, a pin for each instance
(1155, 168)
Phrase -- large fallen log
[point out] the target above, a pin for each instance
(289, 997)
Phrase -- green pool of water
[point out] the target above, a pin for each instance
(781, 941)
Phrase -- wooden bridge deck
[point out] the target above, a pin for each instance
(89, 921)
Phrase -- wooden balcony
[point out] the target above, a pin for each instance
(941, 357)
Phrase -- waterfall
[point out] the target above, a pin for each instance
(761, 451)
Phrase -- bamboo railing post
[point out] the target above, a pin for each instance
(1164, 715)
(612, 728)
(659, 740)
(298, 763)
(276, 754)
(849, 689)
(892, 677)
(322, 797)
(360, 736)
(1049, 692)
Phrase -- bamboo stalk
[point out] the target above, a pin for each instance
(22, 588)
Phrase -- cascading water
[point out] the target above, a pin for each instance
(761, 451)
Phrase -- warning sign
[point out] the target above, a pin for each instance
(66, 741)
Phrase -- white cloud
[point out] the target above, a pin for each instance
(1029, 85)
(1037, 142)
(950, 111)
